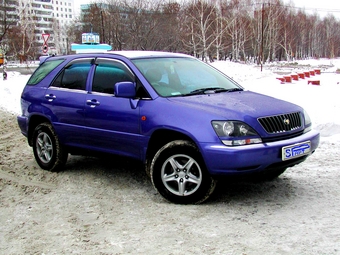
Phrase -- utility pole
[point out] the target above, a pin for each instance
(101, 14)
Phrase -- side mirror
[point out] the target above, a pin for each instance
(125, 89)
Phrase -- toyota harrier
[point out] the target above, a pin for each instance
(187, 122)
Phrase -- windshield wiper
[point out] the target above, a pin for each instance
(234, 89)
(204, 90)
(212, 90)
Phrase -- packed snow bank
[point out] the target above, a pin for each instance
(10, 91)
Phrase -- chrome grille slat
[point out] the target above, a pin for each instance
(281, 123)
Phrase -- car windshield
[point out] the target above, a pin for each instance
(184, 76)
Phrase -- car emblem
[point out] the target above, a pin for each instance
(286, 121)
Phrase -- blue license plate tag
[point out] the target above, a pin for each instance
(296, 150)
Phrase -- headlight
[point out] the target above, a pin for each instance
(233, 133)
(308, 121)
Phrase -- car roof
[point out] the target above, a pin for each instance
(130, 54)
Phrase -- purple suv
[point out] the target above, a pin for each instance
(186, 121)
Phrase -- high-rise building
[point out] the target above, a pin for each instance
(53, 16)
(8, 13)
(63, 14)
(42, 13)
(46, 17)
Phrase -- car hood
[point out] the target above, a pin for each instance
(238, 105)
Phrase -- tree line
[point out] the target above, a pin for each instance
(238, 30)
(241, 30)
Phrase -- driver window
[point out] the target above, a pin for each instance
(107, 74)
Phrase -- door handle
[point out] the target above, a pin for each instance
(92, 103)
(50, 97)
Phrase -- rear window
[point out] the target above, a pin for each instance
(74, 76)
(43, 70)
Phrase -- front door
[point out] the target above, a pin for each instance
(113, 125)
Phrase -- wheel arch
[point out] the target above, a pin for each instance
(34, 121)
(161, 137)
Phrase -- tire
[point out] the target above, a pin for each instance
(179, 174)
(148, 168)
(48, 152)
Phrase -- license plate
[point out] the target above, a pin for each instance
(296, 150)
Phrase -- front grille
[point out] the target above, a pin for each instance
(281, 123)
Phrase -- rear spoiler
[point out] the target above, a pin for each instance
(42, 59)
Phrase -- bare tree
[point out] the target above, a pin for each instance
(332, 31)
(265, 31)
(4, 24)
(74, 31)
(239, 19)
(170, 27)
(22, 37)
(203, 26)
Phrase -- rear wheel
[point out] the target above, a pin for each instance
(48, 152)
(179, 173)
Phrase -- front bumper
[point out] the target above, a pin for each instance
(249, 159)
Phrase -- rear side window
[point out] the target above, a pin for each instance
(108, 73)
(43, 70)
(74, 75)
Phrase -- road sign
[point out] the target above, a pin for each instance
(45, 46)
(45, 38)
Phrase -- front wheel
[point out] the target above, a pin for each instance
(179, 173)
(48, 152)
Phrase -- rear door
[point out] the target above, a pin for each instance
(113, 125)
(65, 100)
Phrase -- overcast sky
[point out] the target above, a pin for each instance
(322, 7)
(323, 4)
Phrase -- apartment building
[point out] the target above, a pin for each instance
(63, 14)
(47, 16)
(53, 16)
(41, 12)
